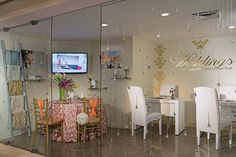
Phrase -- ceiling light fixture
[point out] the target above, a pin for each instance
(231, 27)
(104, 25)
(165, 14)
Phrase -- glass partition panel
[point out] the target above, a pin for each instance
(76, 57)
(25, 52)
(153, 43)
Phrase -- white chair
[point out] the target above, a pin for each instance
(209, 118)
(167, 109)
(140, 115)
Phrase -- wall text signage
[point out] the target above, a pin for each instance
(197, 62)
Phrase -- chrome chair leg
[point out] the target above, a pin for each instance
(167, 127)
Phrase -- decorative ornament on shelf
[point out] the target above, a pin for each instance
(64, 84)
(172, 92)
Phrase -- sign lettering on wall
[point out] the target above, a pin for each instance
(199, 61)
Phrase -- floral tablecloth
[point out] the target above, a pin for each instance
(68, 111)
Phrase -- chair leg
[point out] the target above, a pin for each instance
(160, 127)
(230, 134)
(208, 135)
(35, 135)
(62, 136)
(78, 134)
(47, 132)
(84, 133)
(217, 140)
(132, 129)
(198, 137)
(145, 132)
(167, 127)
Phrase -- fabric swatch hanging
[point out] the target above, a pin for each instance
(15, 88)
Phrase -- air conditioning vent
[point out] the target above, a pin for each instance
(207, 15)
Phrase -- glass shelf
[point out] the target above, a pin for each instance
(105, 88)
(121, 78)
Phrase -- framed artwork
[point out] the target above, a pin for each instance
(111, 59)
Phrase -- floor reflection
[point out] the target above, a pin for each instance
(126, 146)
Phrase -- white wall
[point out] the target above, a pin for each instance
(218, 47)
(143, 64)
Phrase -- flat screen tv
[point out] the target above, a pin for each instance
(70, 62)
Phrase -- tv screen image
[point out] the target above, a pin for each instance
(69, 63)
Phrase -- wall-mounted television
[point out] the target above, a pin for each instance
(70, 62)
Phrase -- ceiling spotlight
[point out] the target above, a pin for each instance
(34, 22)
(165, 14)
(231, 27)
(104, 24)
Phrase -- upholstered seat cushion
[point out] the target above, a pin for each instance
(93, 120)
(153, 116)
(51, 121)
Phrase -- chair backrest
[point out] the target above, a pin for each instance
(41, 110)
(138, 105)
(94, 103)
(207, 109)
(166, 88)
(227, 92)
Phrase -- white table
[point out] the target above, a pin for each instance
(174, 108)
(228, 106)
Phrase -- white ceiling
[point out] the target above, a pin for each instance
(139, 17)
(18, 12)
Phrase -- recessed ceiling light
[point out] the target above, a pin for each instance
(104, 24)
(165, 14)
(231, 27)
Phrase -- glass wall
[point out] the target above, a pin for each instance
(34, 56)
(25, 53)
(76, 52)
(83, 61)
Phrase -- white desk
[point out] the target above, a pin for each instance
(228, 106)
(174, 108)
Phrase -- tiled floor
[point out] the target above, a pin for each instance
(127, 146)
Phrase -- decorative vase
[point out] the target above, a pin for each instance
(62, 96)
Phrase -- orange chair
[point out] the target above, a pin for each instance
(43, 122)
